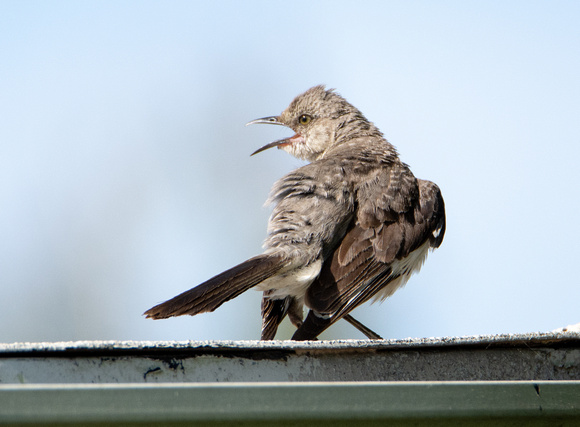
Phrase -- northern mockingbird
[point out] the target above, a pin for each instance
(352, 225)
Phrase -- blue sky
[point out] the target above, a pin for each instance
(125, 175)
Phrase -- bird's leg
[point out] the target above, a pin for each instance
(366, 331)
(296, 313)
(315, 324)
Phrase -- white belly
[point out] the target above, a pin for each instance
(295, 282)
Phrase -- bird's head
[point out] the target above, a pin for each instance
(316, 116)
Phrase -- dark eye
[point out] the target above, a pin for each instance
(304, 119)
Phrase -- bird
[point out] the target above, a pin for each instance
(351, 225)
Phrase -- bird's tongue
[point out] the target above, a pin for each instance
(296, 139)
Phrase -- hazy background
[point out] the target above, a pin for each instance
(125, 175)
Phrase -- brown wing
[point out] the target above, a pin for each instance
(386, 229)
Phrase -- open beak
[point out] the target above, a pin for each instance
(272, 120)
(273, 144)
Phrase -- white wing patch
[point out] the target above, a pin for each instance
(437, 232)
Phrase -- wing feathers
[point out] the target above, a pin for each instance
(361, 266)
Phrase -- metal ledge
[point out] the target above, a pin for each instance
(538, 357)
(418, 382)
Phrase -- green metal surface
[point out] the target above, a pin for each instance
(368, 403)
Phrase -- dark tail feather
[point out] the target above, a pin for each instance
(312, 327)
(225, 286)
(275, 310)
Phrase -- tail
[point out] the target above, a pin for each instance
(225, 286)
